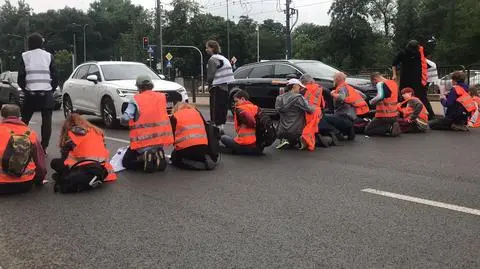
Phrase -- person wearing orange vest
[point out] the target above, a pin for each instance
(292, 107)
(35, 170)
(459, 105)
(349, 103)
(414, 72)
(474, 121)
(81, 141)
(245, 126)
(191, 140)
(413, 114)
(385, 122)
(313, 93)
(150, 129)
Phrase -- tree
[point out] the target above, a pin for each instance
(63, 63)
(384, 11)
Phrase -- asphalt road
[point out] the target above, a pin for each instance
(287, 209)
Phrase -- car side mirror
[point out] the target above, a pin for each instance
(162, 76)
(93, 78)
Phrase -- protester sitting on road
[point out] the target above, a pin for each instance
(292, 107)
(459, 104)
(474, 121)
(314, 95)
(84, 156)
(191, 140)
(385, 121)
(413, 114)
(348, 103)
(22, 154)
(245, 126)
(150, 129)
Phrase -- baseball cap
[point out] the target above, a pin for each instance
(295, 81)
(143, 80)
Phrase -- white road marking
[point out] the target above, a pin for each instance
(117, 139)
(424, 201)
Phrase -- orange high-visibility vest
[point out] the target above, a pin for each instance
(90, 146)
(314, 96)
(354, 99)
(153, 126)
(408, 110)
(474, 120)
(29, 173)
(424, 66)
(245, 135)
(464, 99)
(387, 108)
(190, 129)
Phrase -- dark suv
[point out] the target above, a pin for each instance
(265, 80)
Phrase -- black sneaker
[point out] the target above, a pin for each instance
(324, 141)
(395, 131)
(149, 162)
(335, 139)
(160, 161)
(459, 127)
(351, 134)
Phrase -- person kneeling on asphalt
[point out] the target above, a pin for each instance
(385, 122)
(85, 160)
(459, 104)
(313, 93)
(150, 129)
(292, 107)
(413, 114)
(474, 121)
(348, 103)
(245, 126)
(23, 158)
(191, 139)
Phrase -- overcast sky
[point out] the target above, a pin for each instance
(313, 11)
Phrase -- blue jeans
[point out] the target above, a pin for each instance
(237, 148)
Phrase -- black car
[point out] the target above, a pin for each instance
(9, 85)
(265, 80)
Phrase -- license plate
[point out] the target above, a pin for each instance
(169, 104)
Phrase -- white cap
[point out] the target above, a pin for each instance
(295, 81)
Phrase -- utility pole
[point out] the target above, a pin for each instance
(228, 33)
(160, 34)
(288, 37)
(84, 43)
(258, 43)
(74, 50)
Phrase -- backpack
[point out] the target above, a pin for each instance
(81, 177)
(18, 154)
(265, 130)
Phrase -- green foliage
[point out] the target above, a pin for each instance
(63, 63)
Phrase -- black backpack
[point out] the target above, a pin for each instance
(81, 177)
(18, 154)
(265, 130)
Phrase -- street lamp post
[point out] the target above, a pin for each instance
(84, 43)
(74, 50)
(258, 43)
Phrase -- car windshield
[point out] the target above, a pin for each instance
(126, 71)
(14, 76)
(318, 69)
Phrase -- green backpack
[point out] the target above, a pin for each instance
(18, 154)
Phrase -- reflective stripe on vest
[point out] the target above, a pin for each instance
(152, 127)
(190, 129)
(465, 99)
(424, 66)
(37, 66)
(5, 134)
(387, 108)
(245, 135)
(224, 74)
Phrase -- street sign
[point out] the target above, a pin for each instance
(233, 60)
(169, 64)
(150, 50)
(169, 56)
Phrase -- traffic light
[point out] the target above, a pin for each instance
(145, 42)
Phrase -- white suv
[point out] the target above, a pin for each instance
(105, 88)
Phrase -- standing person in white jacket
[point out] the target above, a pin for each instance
(38, 81)
(219, 74)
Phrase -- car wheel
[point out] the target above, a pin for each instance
(67, 106)
(109, 115)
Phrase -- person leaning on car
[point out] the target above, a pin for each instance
(38, 80)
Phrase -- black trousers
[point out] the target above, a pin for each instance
(236, 148)
(132, 161)
(193, 158)
(422, 94)
(219, 104)
(11, 188)
(380, 126)
(335, 124)
(46, 132)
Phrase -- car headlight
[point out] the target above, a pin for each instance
(125, 92)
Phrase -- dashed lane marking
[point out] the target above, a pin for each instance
(424, 201)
